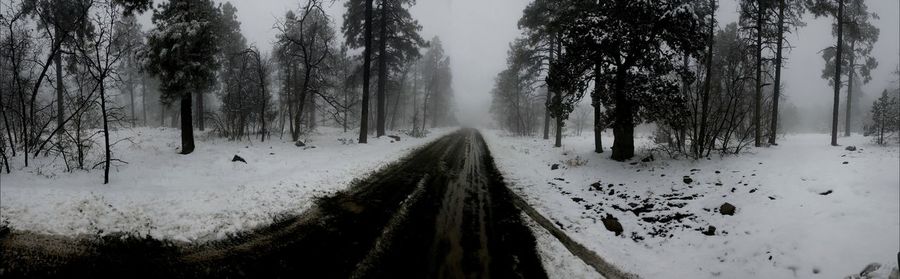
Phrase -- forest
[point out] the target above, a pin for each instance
(708, 86)
(72, 71)
(450, 139)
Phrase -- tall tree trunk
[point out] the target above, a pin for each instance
(598, 112)
(757, 100)
(60, 100)
(106, 133)
(778, 57)
(187, 128)
(262, 111)
(852, 72)
(837, 73)
(131, 90)
(547, 115)
(9, 134)
(559, 126)
(547, 103)
(382, 70)
(707, 83)
(623, 128)
(367, 63)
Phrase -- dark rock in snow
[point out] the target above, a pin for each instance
(647, 159)
(850, 148)
(612, 224)
(872, 267)
(299, 144)
(710, 231)
(238, 159)
(845, 162)
(395, 137)
(577, 199)
(688, 180)
(554, 166)
(727, 209)
(826, 192)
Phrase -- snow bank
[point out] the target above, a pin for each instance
(198, 197)
(804, 209)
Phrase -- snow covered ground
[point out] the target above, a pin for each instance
(804, 209)
(198, 197)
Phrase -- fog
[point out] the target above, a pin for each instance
(476, 35)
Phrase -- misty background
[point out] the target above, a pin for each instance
(476, 35)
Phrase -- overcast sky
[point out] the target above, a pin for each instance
(476, 34)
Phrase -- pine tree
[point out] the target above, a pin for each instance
(859, 40)
(182, 52)
(636, 44)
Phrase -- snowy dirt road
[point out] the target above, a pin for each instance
(443, 212)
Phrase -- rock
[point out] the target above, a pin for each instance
(688, 180)
(647, 159)
(554, 167)
(845, 162)
(395, 137)
(299, 144)
(850, 148)
(872, 267)
(727, 209)
(612, 224)
(238, 159)
(826, 192)
(710, 231)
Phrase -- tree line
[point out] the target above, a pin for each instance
(707, 88)
(72, 71)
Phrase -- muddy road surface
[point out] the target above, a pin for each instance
(442, 212)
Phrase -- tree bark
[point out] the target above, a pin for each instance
(187, 128)
(131, 96)
(382, 71)
(707, 83)
(559, 126)
(623, 128)
(777, 89)
(837, 73)
(60, 108)
(852, 72)
(367, 63)
(598, 113)
(105, 133)
(757, 107)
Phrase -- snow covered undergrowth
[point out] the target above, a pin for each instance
(804, 209)
(197, 197)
